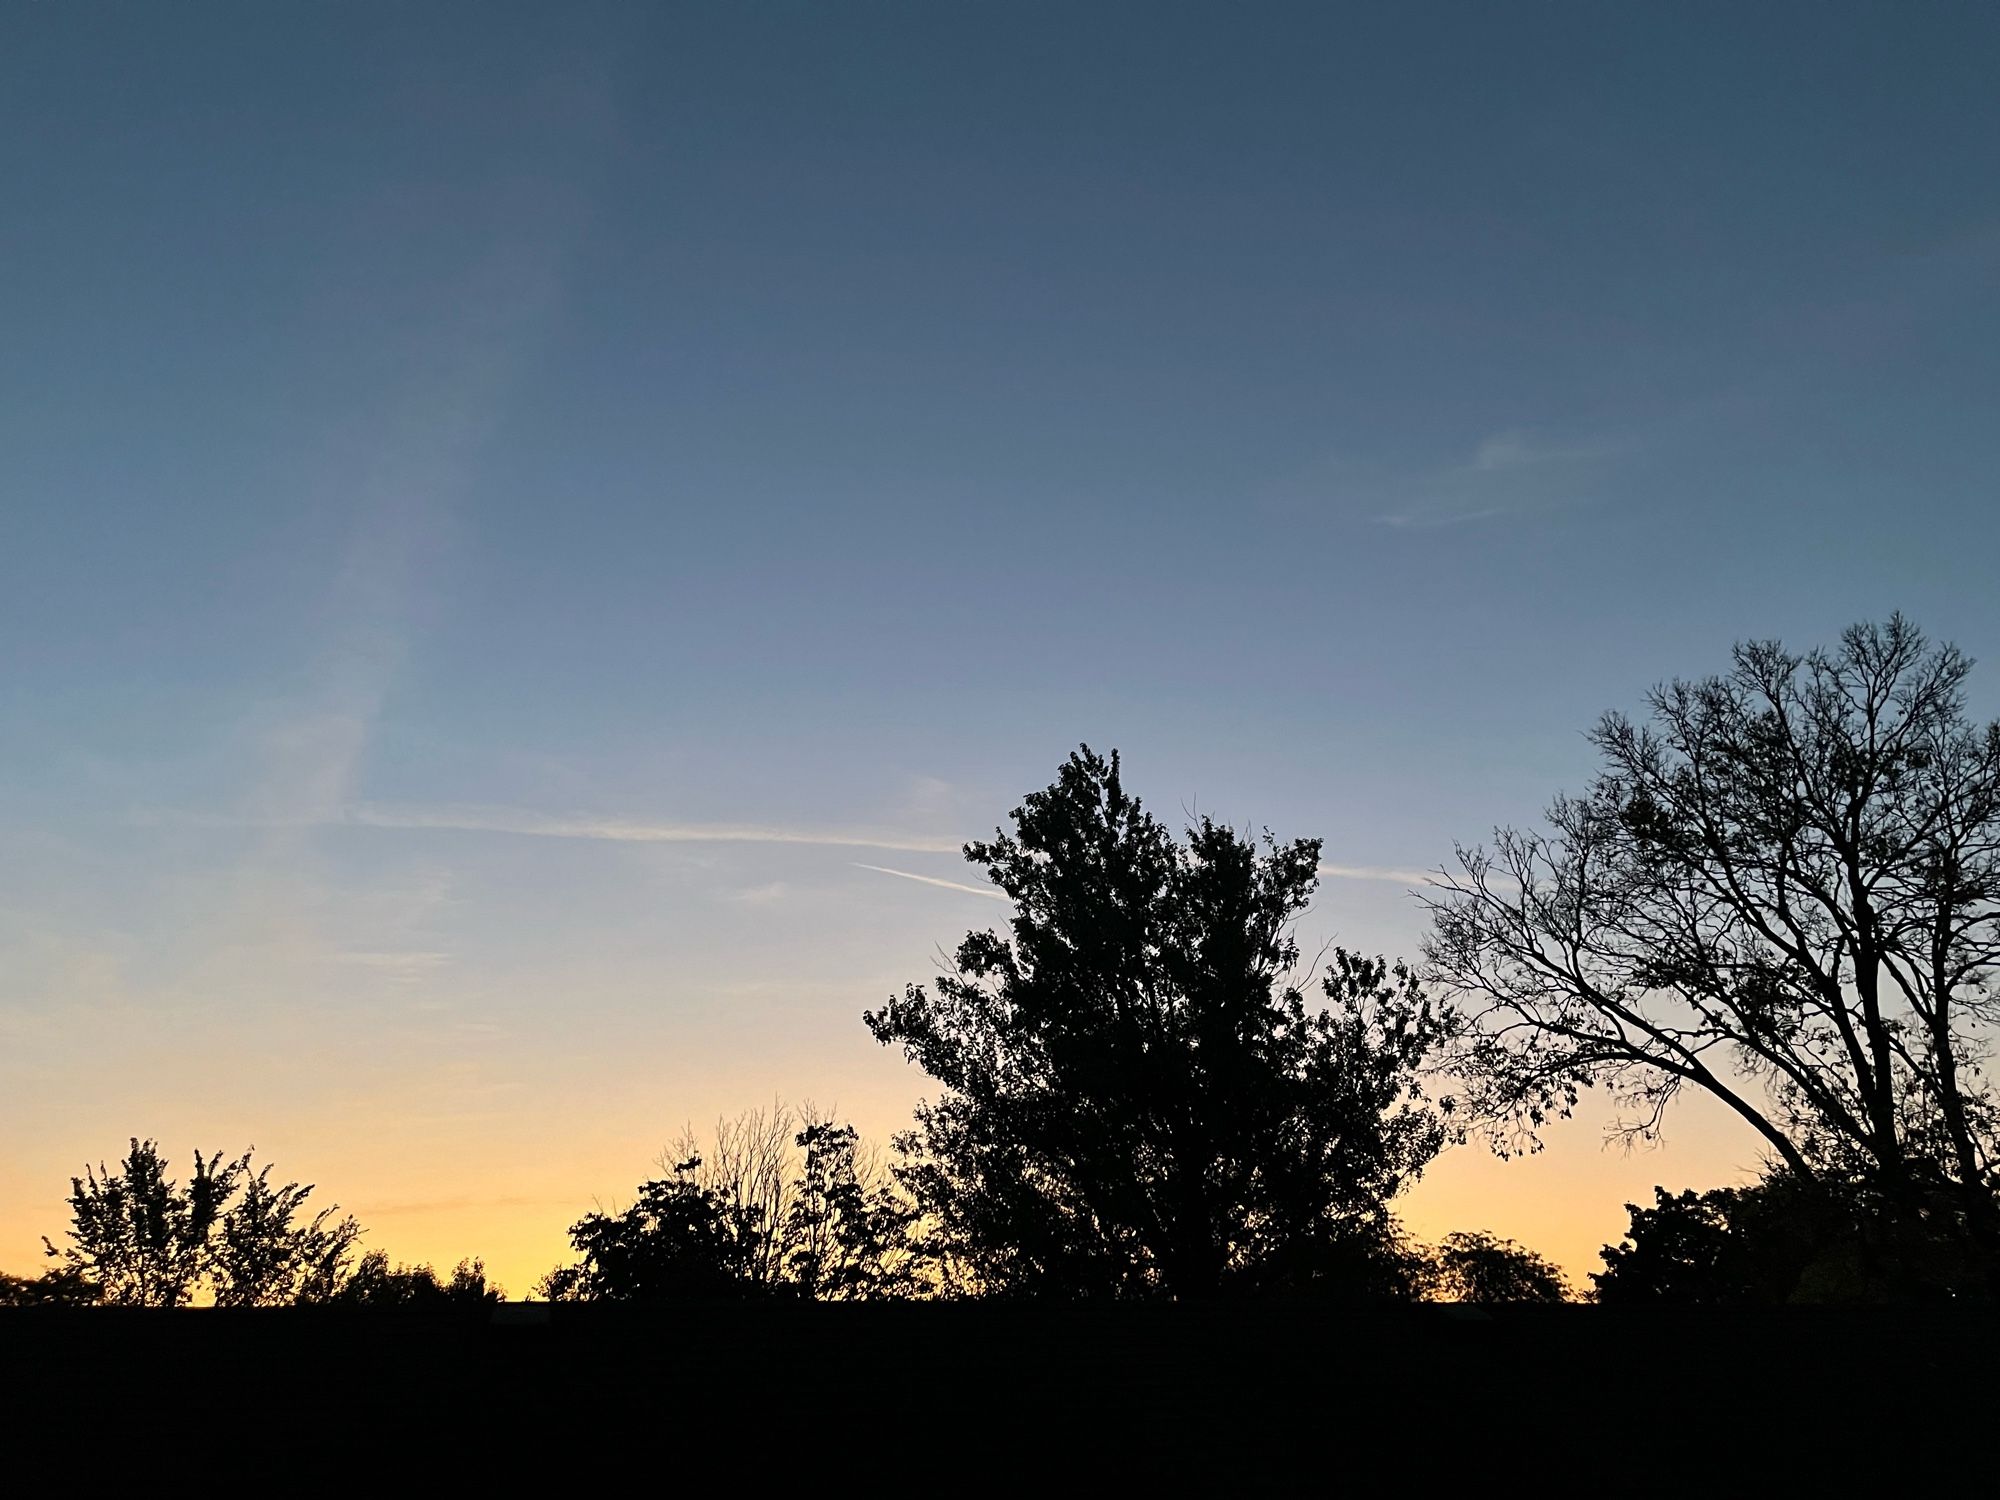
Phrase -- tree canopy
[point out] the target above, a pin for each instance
(1782, 890)
(1137, 1098)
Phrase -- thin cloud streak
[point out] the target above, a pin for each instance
(1509, 474)
(623, 831)
(1383, 873)
(950, 885)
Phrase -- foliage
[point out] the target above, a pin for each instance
(1473, 1266)
(266, 1256)
(1783, 891)
(1137, 1099)
(57, 1288)
(138, 1235)
(376, 1284)
(144, 1240)
(789, 1205)
(676, 1243)
(847, 1231)
(1785, 1239)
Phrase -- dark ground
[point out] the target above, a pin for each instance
(721, 1399)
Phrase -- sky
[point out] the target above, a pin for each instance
(529, 535)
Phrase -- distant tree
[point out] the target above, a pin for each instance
(1785, 1239)
(144, 1240)
(374, 1283)
(59, 1288)
(265, 1255)
(138, 1235)
(747, 1169)
(1473, 1266)
(677, 1243)
(788, 1206)
(848, 1232)
(1783, 892)
(1138, 1100)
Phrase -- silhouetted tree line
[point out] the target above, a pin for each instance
(1781, 890)
(140, 1238)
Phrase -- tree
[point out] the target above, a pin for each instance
(676, 1243)
(59, 1288)
(1137, 1099)
(1783, 891)
(1784, 1239)
(1473, 1266)
(376, 1284)
(266, 1256)
(144, 1240)
(139, 1236)
(788, 1205)
(847, 1232)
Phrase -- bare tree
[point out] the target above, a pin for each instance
(1782, 891)
(747, 1165)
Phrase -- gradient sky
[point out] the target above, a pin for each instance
(519, 521)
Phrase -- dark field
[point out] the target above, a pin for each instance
(714, 1399)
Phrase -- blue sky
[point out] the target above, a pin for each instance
(464, 460)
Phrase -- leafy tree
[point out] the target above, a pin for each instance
(376, 1284)
(1783, 891)
(1137, 1098)
(1785, 1239)
(59, 1288)
(265, 1255)
(1473, 1266)
(139, 1236)
(788, 1206)
(848, 1232)
(144, 1240)
(678, 1242)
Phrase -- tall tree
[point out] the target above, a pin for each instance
(1137, 1099)
(1782, 891)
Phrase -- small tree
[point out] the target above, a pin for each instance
(60, 1288)
(376, 1284)
(266, 1256)
(1473, 1266)
(1137, 1099)
(848, 1231)
(794, 1207)
(676, 1243)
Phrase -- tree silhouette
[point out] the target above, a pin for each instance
(791, 1207)
(264, 1255)
(58, 1288)
(1784, 891)
(677, 1243)
(138, 1235)
(141, 1239)
(376, 1284)
(1137, 1099)
(1473, 1266)
(847, 1232)
(1785, 1239)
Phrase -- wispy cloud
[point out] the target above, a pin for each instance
(1509, 473)
(1387, 874)
(950, 885)
(627, 831)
